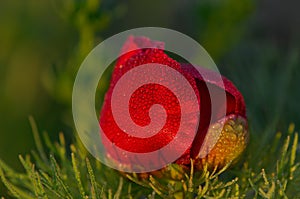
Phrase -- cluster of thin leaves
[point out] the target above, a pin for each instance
(70, 172)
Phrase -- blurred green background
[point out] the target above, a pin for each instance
(42, 43)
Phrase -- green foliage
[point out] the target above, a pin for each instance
(88, 18)
(70, 172)
(222, 24)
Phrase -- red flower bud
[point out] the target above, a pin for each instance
(232, 127)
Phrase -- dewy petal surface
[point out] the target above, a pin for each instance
(143, 99)
(146, 96)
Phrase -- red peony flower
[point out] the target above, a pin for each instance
(231, 126)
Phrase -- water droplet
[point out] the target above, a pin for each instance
(240, 128)
(228, 128)
(233, 137)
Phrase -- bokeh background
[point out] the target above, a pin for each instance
(42, 43)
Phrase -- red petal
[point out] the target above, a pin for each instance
(213, 87)
(134, 46)
(138, 108)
